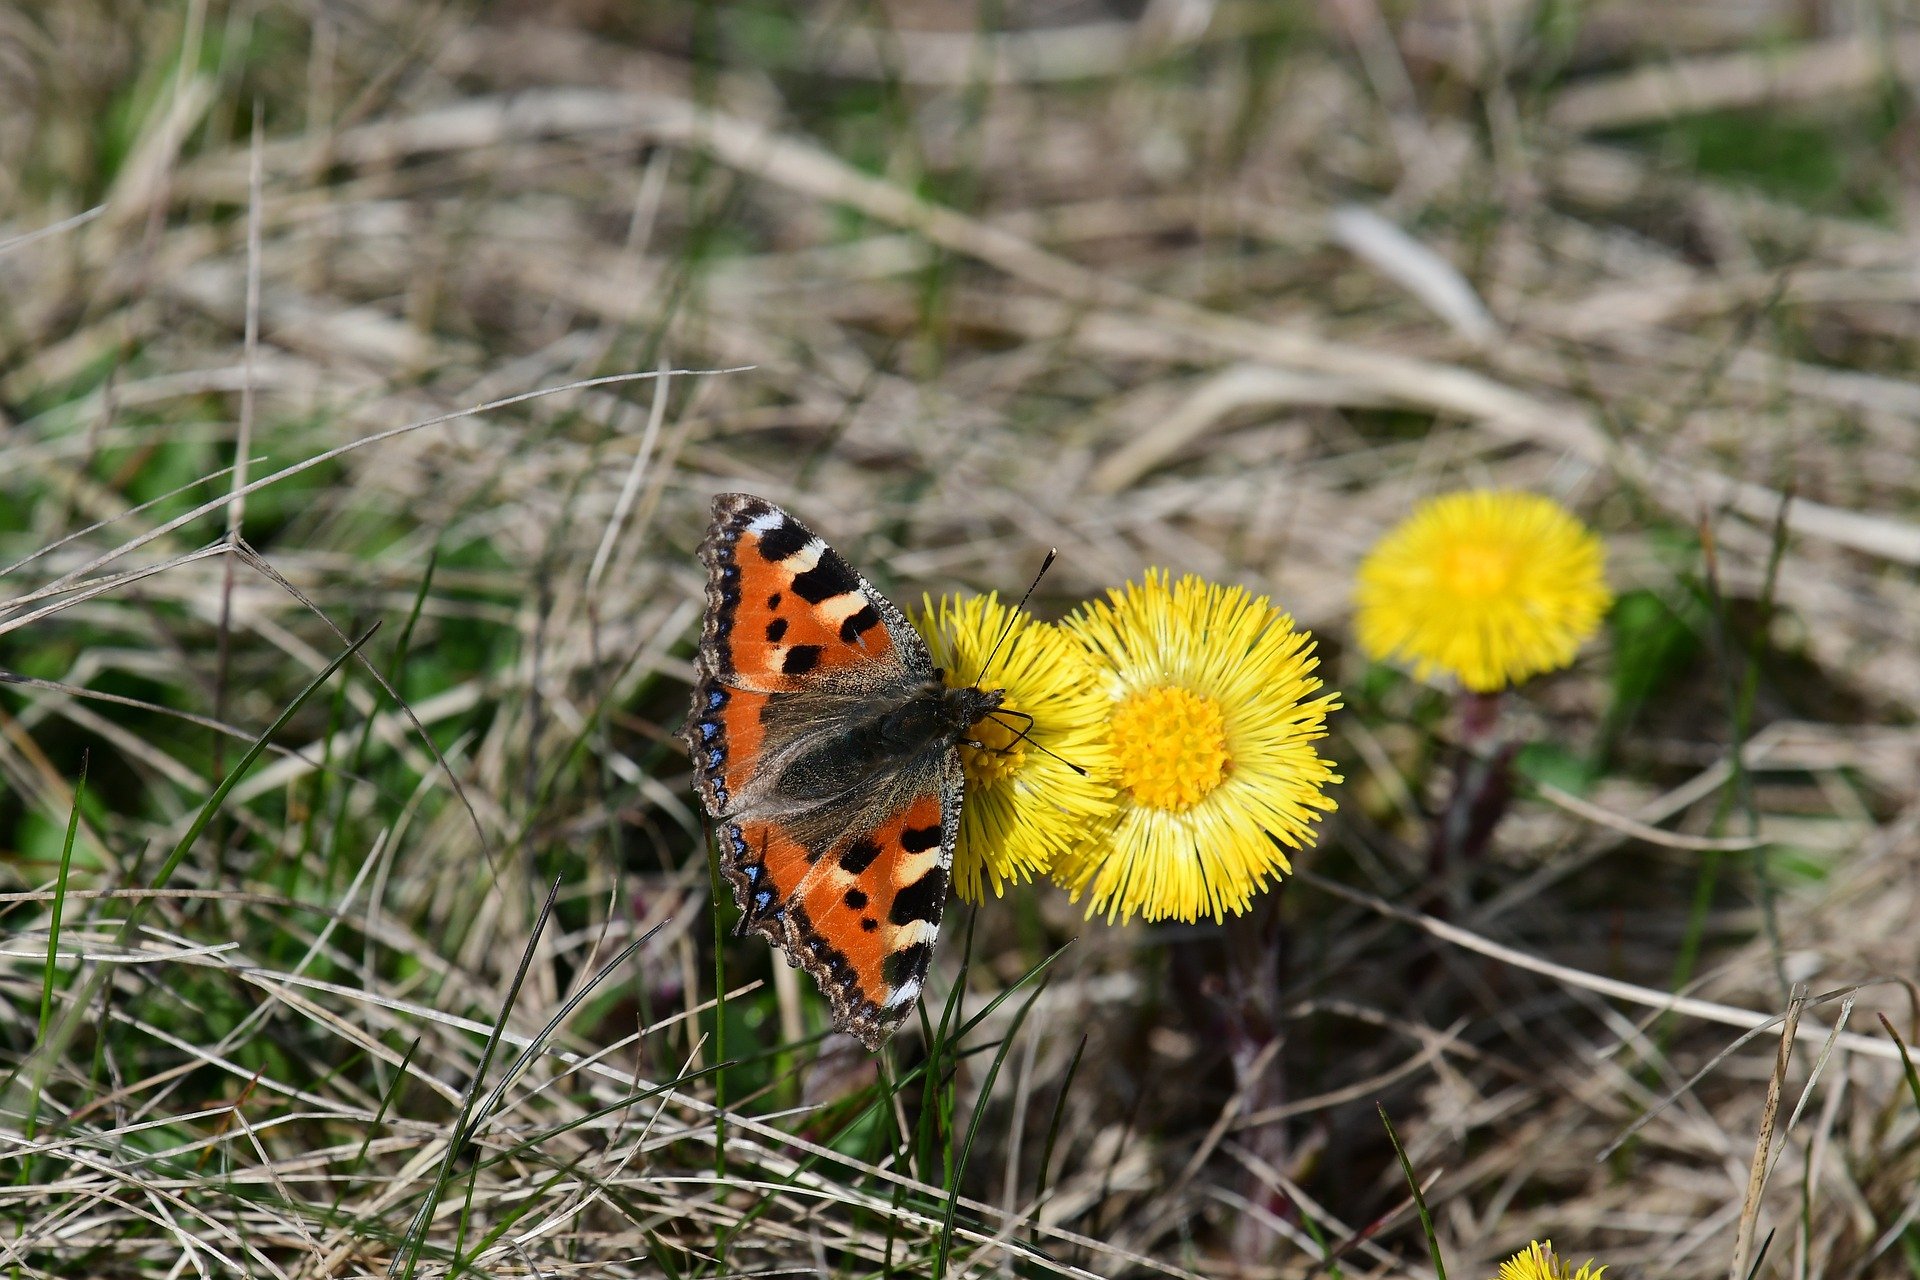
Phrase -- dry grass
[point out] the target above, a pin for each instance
(1223, 286)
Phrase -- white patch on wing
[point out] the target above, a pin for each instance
(907, 994)
(837, 609)
(805, 558)
(909, 868)
(913, 931)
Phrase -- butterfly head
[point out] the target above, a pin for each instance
(962, 708)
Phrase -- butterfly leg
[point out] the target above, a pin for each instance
(1025, 732)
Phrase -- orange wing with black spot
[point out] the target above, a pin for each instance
(795, 646)
(784, 611)
(860, 915)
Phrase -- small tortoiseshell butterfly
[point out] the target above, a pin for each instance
(826, 749)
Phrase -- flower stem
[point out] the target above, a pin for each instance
(1250, 1009)
(1482, 786)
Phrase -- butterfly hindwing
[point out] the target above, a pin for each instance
(861, 916)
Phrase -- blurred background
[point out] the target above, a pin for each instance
(1219, 286)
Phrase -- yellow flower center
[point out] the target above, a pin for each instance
(1479, 571)
(1171, 746)
(1002, 757)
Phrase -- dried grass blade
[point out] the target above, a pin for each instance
(1763, 1143)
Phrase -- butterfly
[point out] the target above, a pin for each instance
(825, 748)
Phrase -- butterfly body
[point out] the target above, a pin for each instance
(825, 749)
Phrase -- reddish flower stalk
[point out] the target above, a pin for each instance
(1482, 786)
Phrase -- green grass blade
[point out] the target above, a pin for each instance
(718, 888)
(379, 1118)
(1753, 1271)
(1419, 1197)
(1906, 1059)
(1059, 1115)
(944, 1250)
(59, 907)
(1032, 972)
(52, 971)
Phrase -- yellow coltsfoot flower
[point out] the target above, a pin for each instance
(1211, 715)
(1487, 586)
(1026, 805)
(1538, 1262)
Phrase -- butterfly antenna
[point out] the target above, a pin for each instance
(1013, 617)
(1079, 769)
